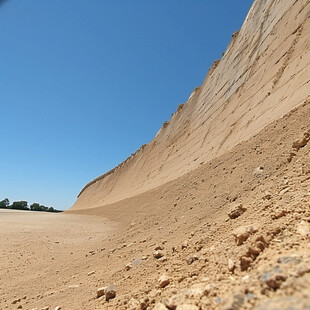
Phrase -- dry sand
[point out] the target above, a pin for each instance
(214, 213)
(44, 257)
(188, 219)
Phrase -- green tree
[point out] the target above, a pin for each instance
(43, 208)
(35, 207)
(20, 205)
(4, 204)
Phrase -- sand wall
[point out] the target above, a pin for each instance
(264, 73)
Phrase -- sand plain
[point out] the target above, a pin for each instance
(43, 257)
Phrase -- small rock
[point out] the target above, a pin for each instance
(184, 245)
(303, 228)
(15, 301)
(91, 273)
(191, 258)
(234, 302)
(159, 247)
(169, 303)
(273, 278)
(110, 292)
(291, 156)
(245, 262)
(258, 171)
(101, 291)
(128, 267)
(144, 303)
(73, 286)
(298, 144)
(158, 254)
(57, 308)
(236, 210)
(303, 269)
(245, 278)
(231, 265)
(289, 260)
(162, 259)
(242, 233)
(133, 304)
(267, 196)
(194, 292)
(163, 281)
(160, 306)
(209, 288)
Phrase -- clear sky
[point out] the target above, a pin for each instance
(83, 84)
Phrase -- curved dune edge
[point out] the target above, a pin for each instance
(262, 76)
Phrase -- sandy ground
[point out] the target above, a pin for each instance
(182, 230)
(214, 213)
(44, 254)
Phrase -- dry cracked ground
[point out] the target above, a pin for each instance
(232, 234)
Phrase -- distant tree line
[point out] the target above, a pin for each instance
(23, 205)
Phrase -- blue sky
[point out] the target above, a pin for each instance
(83, 84)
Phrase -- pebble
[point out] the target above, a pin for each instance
(303, 228)
(128, 267)
(209, 288)
(191, 258)
(160, 306)
(163, 281)
(242, 233)
(110, 292)
(184, 245)
(231, 265)
(158, 254)
(236, 210)
(101, 291)
(289, 260)
(273, 278)
(234, 302)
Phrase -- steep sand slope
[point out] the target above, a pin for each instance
(264, 73)
(62, 259)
